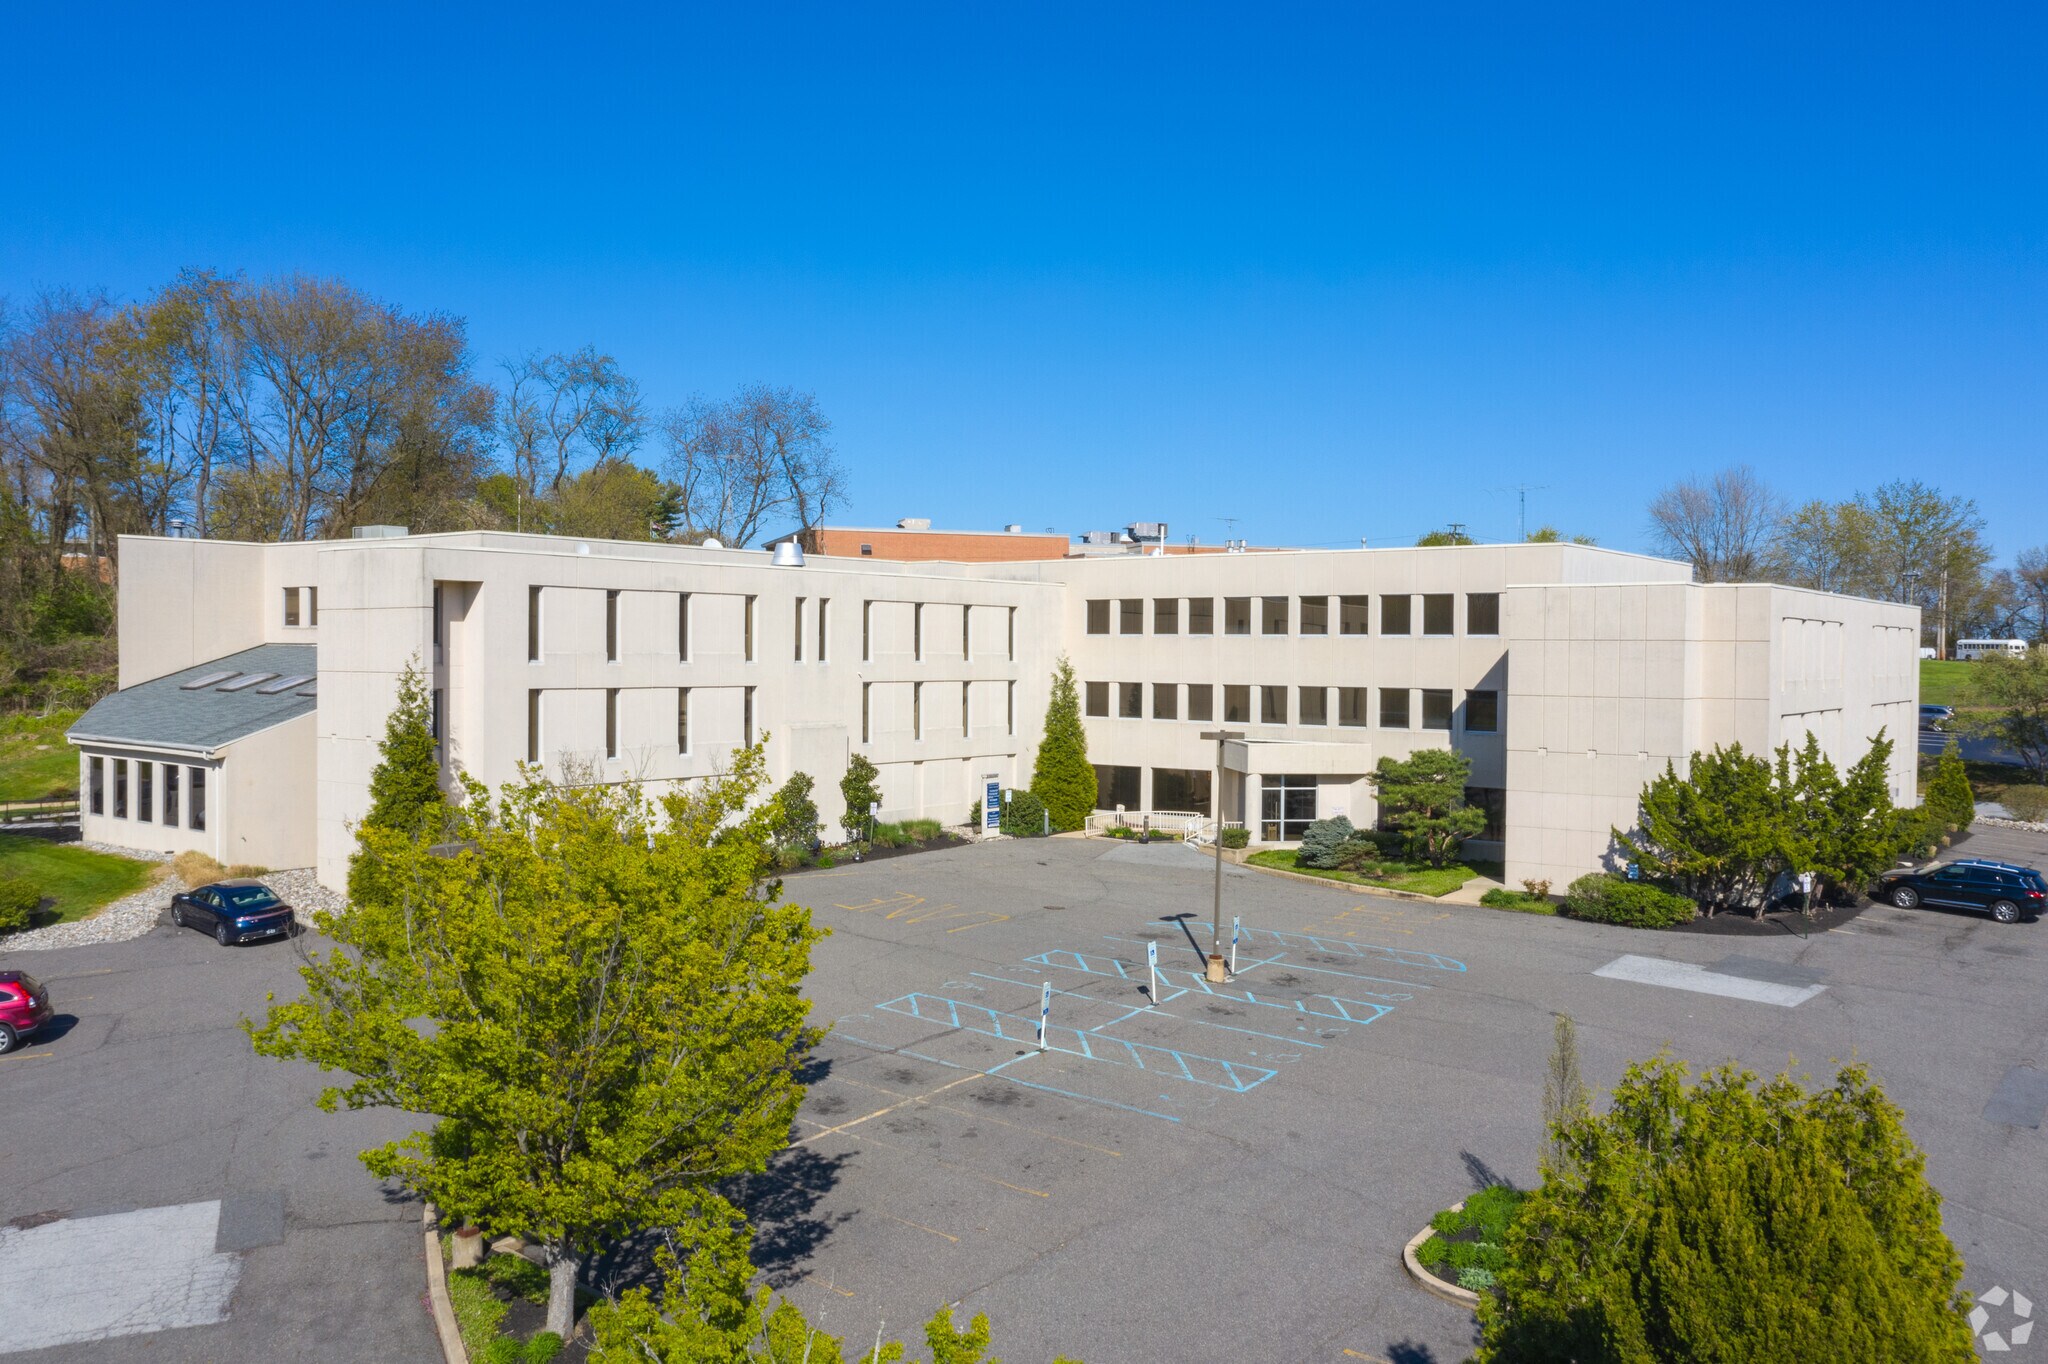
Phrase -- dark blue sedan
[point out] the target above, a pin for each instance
(235, 911)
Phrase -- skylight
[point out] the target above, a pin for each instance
(240, 683)
(284, 684)
(310, 686)
(202, 683)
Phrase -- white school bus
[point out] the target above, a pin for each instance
(1970, 650)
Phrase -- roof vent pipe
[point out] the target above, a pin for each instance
(788, 554)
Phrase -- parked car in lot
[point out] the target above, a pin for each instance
(235, 911)
(1936, 717)
(2003, 890)
(24, 1007)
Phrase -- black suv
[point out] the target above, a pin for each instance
(2003, 890)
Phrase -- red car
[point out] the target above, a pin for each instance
(24, 1007)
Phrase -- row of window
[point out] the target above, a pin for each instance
(535, 743)
(808, 624)
(154, 802)
(1287, 801)
(1197, 701)
(1296, 615)
(917, 709)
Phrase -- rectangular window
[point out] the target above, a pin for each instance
(1201, 615)
(1315, 702)
(533, 624)
(1130, 700)
(291, 606)
(1165, 701)
(198, 785)
(682, 720)
(1287, 806)
(120, 788)
(1315, 615)
(1237, 705)
(683, 627)
(750, 629)
(611, 627)
(1354, 615)
(747, 717)
(96, 785)
(1437, 609)
(611, 722)
(533, 724)
(866, 711)
(1237, 615)
(966, 710)
(917, 710)
(1131, 616)
(1116, 786)
(1272, 705)
(1436, 710)
(1351, 707)
(1010, 708)
(1166, 615)
(824, 607)
(797, 619)
(1493, 801)
(1482, 613)
(1273, 616)
(436, 720)
(1013, 634)
(1181, 788)
(171, 795)
(1201, 702)
(440, 621)
(1098, 616)
(917, 632)
(867, 632)
(145, 787)
(1394, 615)
(1393, 708)
(1098, 699)
(1482, 712)
(312, 606)
(967, 634)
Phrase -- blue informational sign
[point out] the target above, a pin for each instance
(1635, 872)
(992, 805)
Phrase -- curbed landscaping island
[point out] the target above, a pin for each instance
(1467, 1242)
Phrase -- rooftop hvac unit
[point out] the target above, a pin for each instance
(377, 532)
(1013, 529)
(1146, 531)
(1101, 537)
(914, 523)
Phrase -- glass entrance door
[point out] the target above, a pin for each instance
(1287, 806)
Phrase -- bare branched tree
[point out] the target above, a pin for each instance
(565, 412)
(757, 456)
(1726, 526)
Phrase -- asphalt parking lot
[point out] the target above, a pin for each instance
(1230, 1175)
(1227, 1176)
(174, 1198)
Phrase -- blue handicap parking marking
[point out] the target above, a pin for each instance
(1277, 1011)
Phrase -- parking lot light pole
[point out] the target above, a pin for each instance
(1217, 972)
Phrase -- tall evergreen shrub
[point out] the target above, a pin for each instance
(1062, 776)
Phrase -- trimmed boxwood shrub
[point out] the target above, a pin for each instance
(19, 897)
(1236, 838)
(1606, 899)
(1023, 815)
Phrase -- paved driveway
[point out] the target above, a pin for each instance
(1229, 1176)
(169, 1196)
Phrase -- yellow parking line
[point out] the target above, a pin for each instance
(922, 1227)
(965, 1079)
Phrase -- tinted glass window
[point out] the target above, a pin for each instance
(248, 897)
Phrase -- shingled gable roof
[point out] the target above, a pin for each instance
(164, 713)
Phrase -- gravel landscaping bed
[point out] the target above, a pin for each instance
(134, 915)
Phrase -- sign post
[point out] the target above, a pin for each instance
(1152, 965)
(1044, 1012)
(1225, 739)
(992, 803)
(1233, 944)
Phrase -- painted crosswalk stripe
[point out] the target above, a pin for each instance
(1682, 975)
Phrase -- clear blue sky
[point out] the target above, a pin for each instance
(1337, 272)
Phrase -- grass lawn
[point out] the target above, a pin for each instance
(74, 882)
(1418, 877)
(35, 762)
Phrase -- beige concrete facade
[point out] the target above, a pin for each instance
(1568, 674)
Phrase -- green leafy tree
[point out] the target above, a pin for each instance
(1708, 834)
(405, 785)
(1062, 777)
(596, 995)
(1423, 798)
(859, 789)
(1551, 535)
(1444, 537)
(1730, 1221)
(709, 1312)
(1843, 829)
(795, 821)
(2014, 695)
(1949, 801)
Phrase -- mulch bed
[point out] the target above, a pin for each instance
(939, 844)
(1777, 923)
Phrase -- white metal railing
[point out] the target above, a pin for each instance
(1190, 825)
